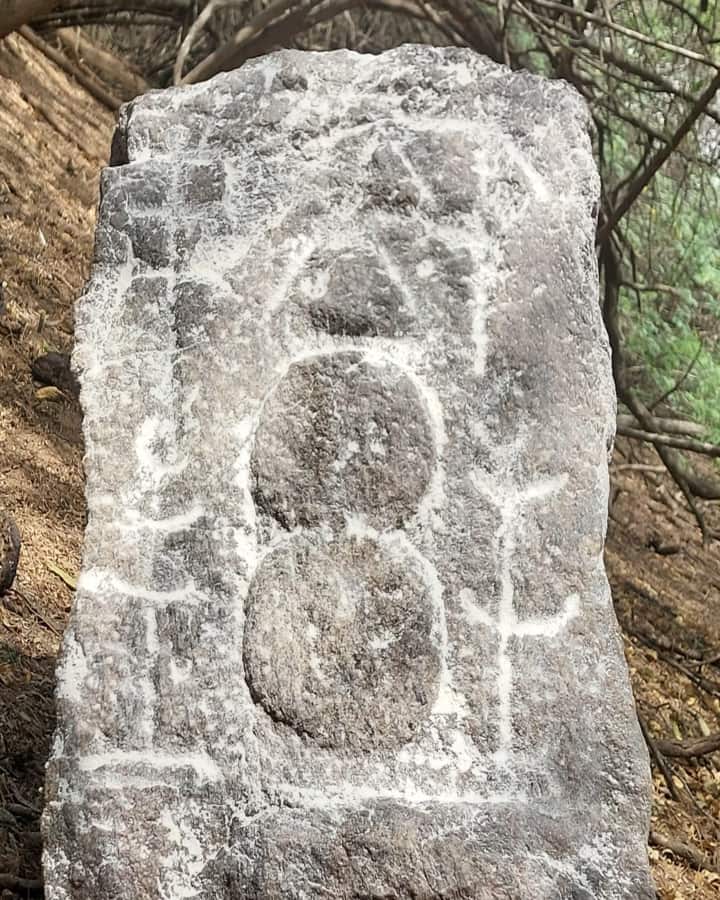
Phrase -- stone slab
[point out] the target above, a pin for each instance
(343, 628)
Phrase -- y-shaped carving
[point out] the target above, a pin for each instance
(510, 499)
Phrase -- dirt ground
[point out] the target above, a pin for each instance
(666, 588)
(53, 140)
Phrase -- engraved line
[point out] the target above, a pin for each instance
(201, 763)
(509, 500)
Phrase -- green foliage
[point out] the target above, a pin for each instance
(672, 353)
(670, 240)
(674, 331)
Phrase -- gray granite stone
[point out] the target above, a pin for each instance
(343, 628)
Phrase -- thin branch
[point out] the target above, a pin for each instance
(670, 440)
(104, 17)
(664, 426)
(193, 32)
(660, 158)
(601, 53)
(283, 31)
(478, 31)
(630, 119)
(652, 288)
(679, 382)
(650, 76)
(100, 10)
(682, 8)
(628, 32)
(113, 68)
(442, 27)
(710, 687)
(225, 57)
(610, 263)
(660, 760)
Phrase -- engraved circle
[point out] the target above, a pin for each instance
(340, 642)
(340, 436)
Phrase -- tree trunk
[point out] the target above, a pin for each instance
(14, 13)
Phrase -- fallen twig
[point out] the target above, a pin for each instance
(22, 811)
(639, 467)
(691, 747)
(111, 67)
(708, 686)
(91, 85)
(660, 760)
(696, 858)
(39, 615)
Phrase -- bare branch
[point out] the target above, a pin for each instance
(193, 32)
(669, 440)
(660, 158)
(628, 32)
(678, 382)
(226, 56)
(664, 426)
(652, 288)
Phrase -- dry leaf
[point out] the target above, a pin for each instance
(70, 580)
(49, 393)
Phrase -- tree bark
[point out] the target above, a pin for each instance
(14, 13)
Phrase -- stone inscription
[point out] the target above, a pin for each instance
(343, 628)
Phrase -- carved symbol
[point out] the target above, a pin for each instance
(342, 639)
(339, 641)
(505, 495)
(340, 437)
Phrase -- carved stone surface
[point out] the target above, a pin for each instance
(343, 628)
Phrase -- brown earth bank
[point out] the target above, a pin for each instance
(54, 138)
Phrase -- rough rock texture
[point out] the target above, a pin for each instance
(343, 628)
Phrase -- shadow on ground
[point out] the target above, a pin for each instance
(27, 720)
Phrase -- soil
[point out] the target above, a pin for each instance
(54, 138)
